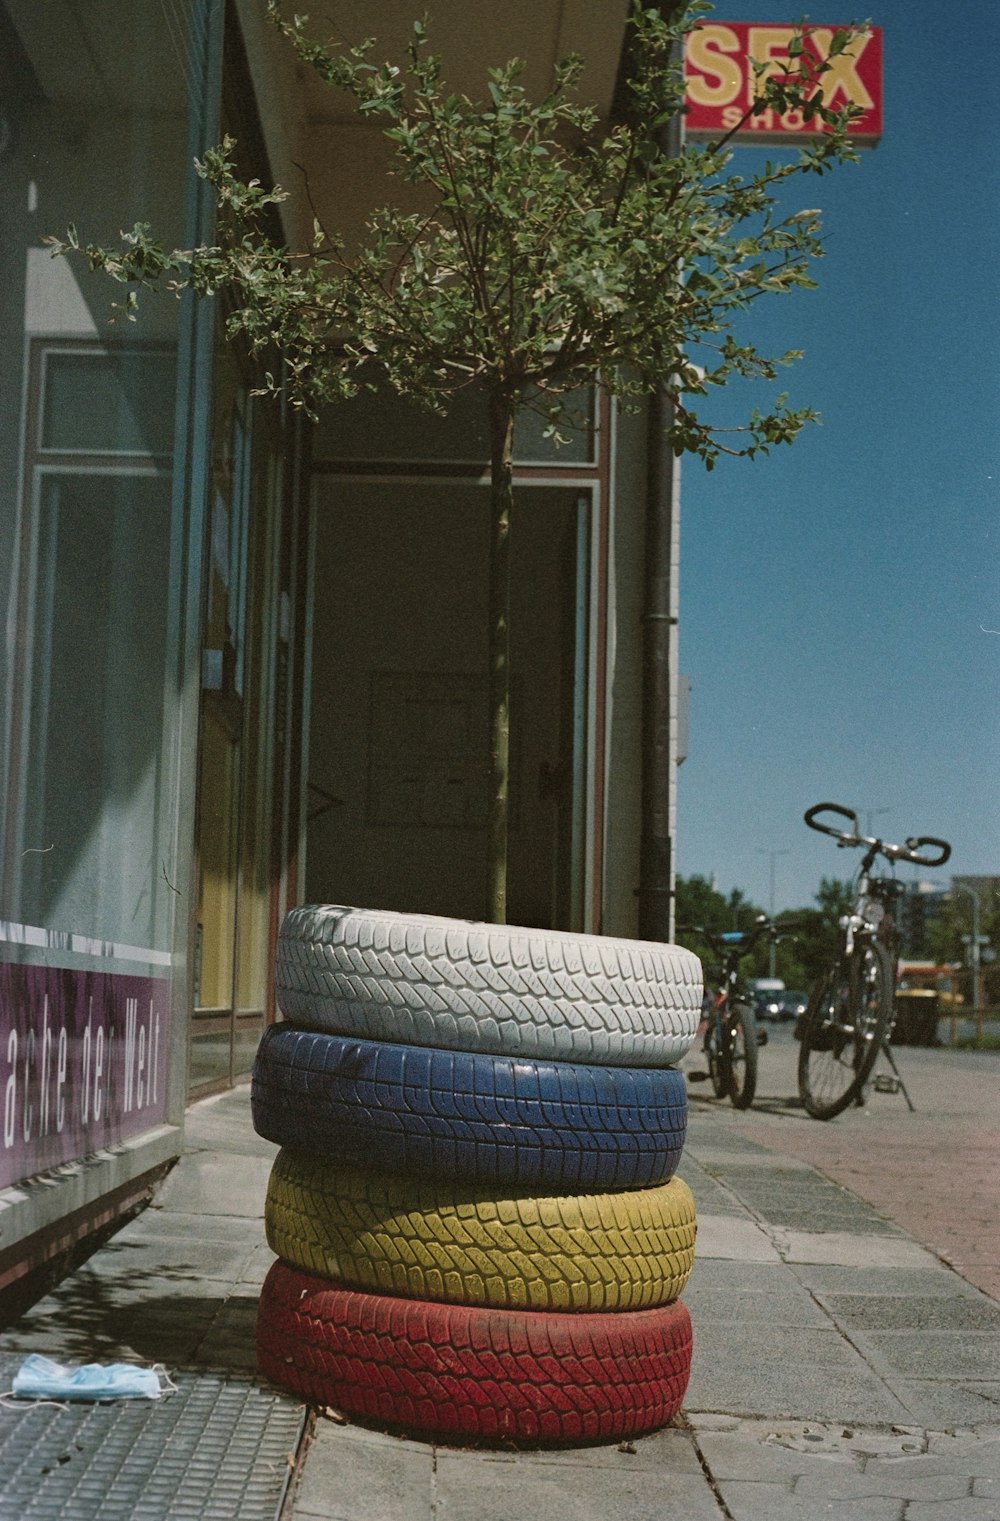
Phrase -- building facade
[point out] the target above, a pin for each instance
(244, 659)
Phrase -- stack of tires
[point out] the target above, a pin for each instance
(477, 1223)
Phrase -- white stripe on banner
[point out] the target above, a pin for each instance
(82, 945)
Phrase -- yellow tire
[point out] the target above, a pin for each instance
(459, 1245)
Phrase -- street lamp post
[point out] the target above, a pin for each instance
(762, 850)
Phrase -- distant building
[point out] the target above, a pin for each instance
(919, 906)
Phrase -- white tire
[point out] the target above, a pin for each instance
(499, 989)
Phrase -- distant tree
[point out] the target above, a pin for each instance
(806, 953)
(552, 252)
(949, 932)
(701, 906)
(800, 957)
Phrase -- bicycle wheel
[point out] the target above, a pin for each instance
(843, 1029)
(742, 1055)
(717, 1058)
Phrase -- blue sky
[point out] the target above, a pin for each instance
(834, 595)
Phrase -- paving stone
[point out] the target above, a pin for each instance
(171, 1224)
(847, 1250)
(915, 1312)
(879, 1481)
(934, 1355)
(787, 1372)
(733, 1239)
(672, 1449)
(206, 1178)
(353, 1475)
(470, 1487)
(943, 1406)
(733, 1303)
(982, 1439)
(929, 1280)
(975, 1452)
(774, 1502)
(966, 1509)
(772, 1277)
(124, 1262)
(741, 1455)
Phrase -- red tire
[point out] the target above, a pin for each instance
(526, 1376)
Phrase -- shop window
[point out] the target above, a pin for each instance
(84, 800)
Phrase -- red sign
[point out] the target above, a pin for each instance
(721, 83)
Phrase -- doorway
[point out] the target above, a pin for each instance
(398, 710)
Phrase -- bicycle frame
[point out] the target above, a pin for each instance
(852, 1007)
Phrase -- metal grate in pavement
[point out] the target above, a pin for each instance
(217, 1450)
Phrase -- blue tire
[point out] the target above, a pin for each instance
(450, 1114)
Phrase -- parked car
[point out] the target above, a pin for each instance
(766, 1003)
(779, 1004)
(791, 1004)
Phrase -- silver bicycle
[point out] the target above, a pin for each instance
(851, 1007)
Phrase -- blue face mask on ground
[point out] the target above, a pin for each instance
(39, 1378)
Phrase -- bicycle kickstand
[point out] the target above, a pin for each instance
(894, 1084)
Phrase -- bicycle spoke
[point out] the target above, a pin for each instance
(843, 1029)
(743, 1057)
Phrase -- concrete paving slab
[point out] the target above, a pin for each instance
(354, 1475)
(967, 1509)
(915, 1312)
(771, 1277)
(672, 1448)
(971, 1467)
(710, 1197)
(734, 1239)
(123, 1264)
(741, 1455)
(471, 1486)
(256, 1267)
(231, 1339)
(743, 1158)
(161, 1224)
(870, 1484)
(933, 1355)
(852, 1443)
(981, 1442)
(208, 1183)
(732, 1304)
(787, 1372)
(848, 1250)
(929, 1279)
(945, 1406)
(775, 1502)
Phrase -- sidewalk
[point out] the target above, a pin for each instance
(840, 1370)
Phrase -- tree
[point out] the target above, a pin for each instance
(700, 906)
(803, 954)
(552, 251)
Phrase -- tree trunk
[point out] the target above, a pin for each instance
(501, 496)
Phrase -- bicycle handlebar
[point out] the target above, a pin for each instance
(906, 852)
(725, 942)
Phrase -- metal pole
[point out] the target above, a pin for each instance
(655, 892)
(772, 959)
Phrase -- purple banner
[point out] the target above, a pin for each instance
(83, 1063)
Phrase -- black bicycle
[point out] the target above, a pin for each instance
(851, 1007)
(732, 1038)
